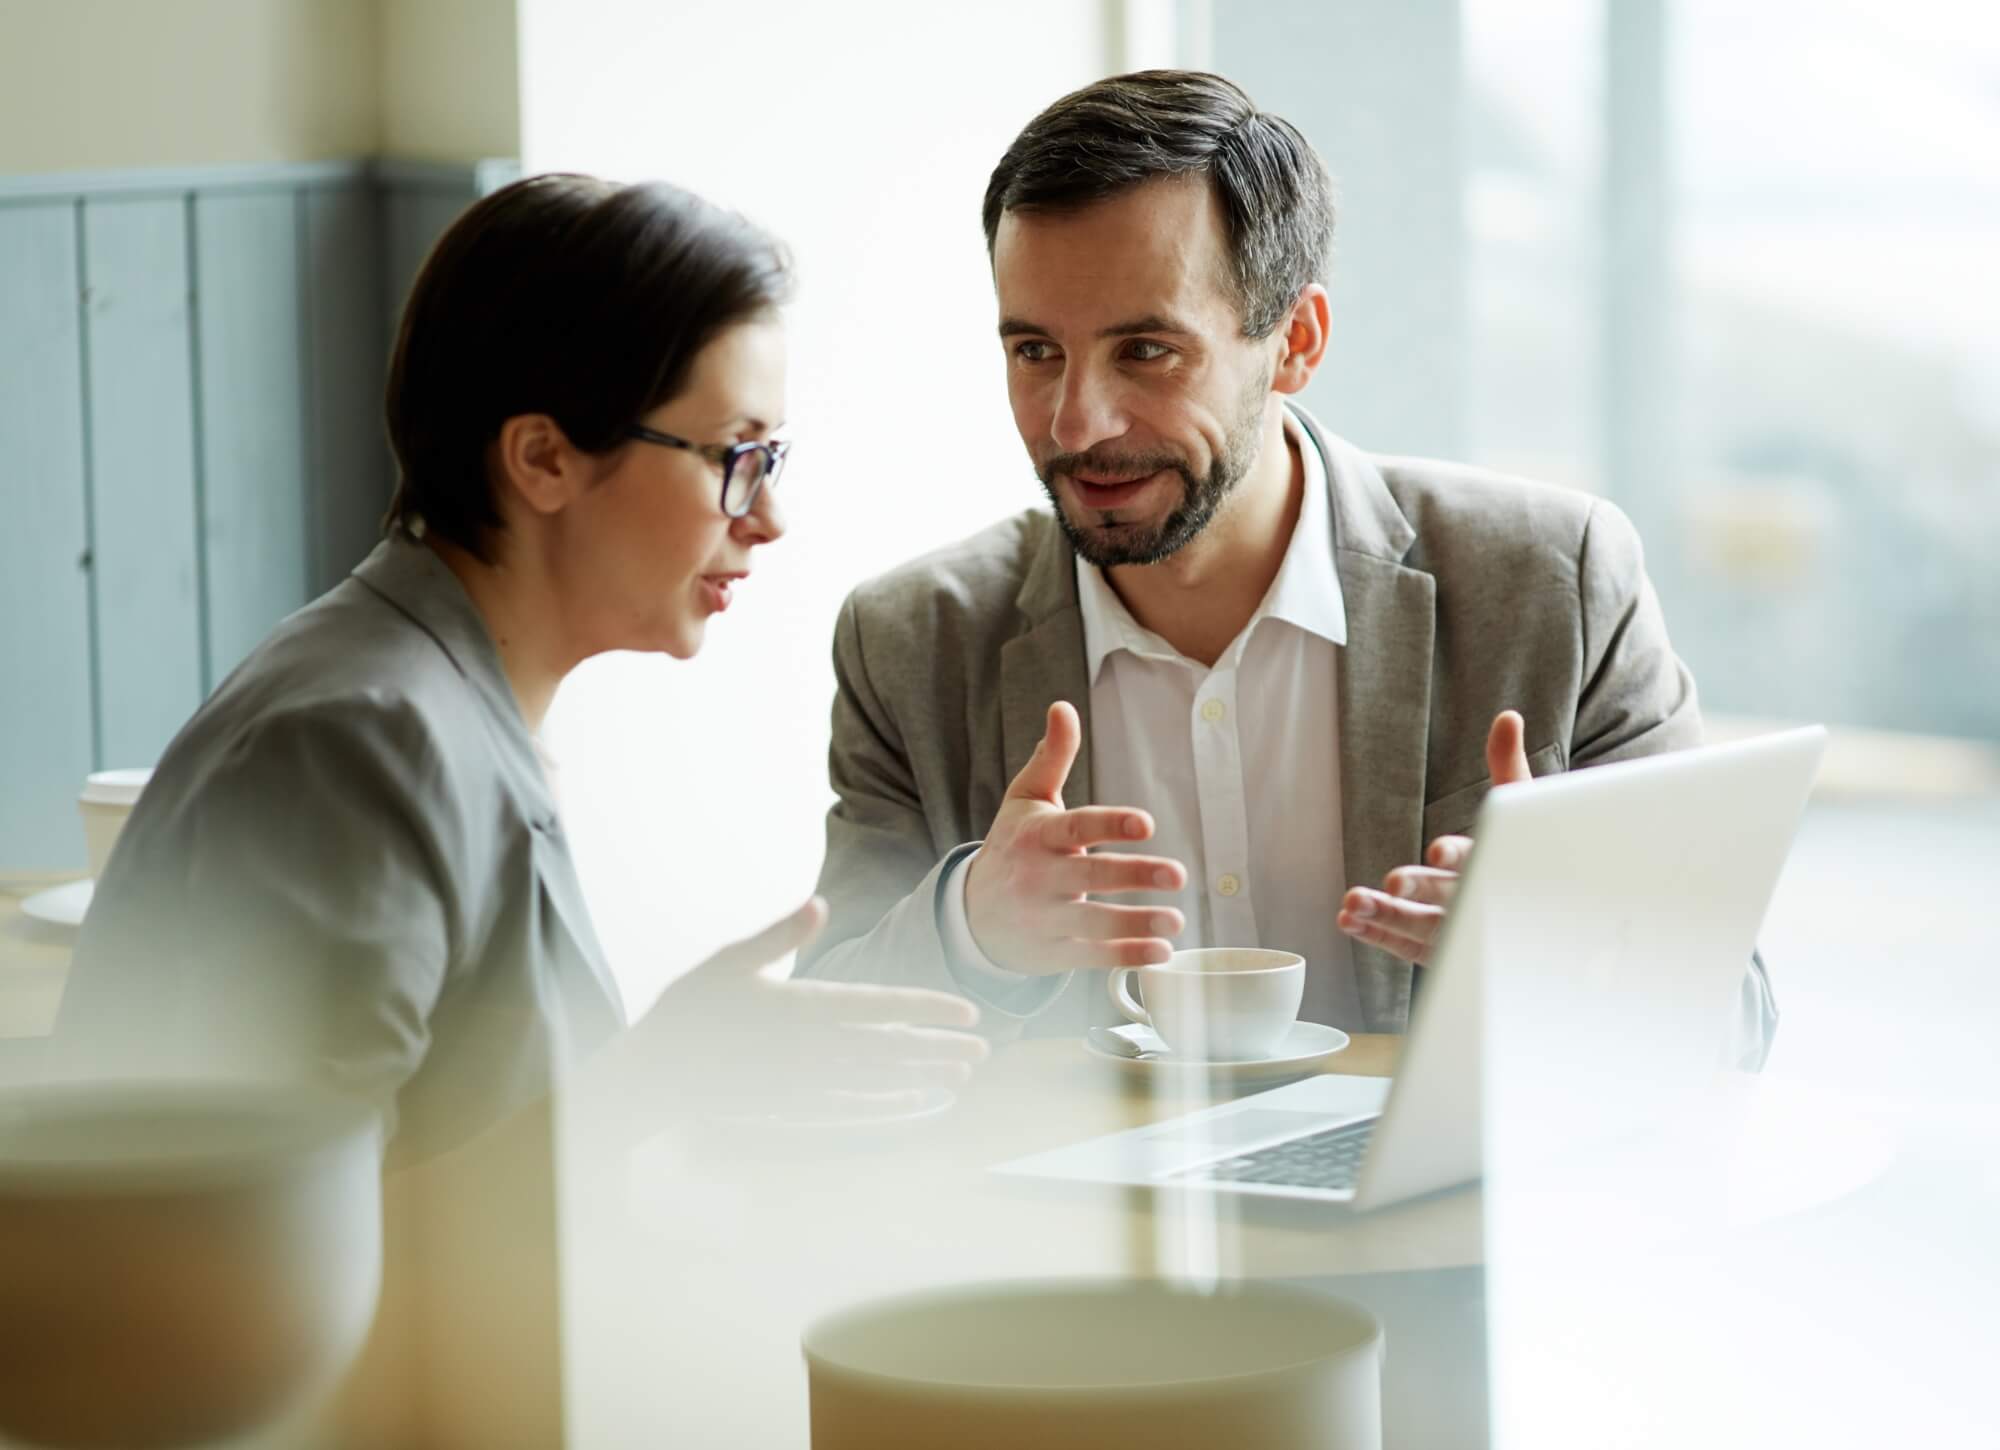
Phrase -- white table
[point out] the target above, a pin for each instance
(1761, 1327)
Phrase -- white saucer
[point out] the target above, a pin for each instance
(60, 905)
(1304, 1048)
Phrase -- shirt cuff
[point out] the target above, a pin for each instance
(985, 981)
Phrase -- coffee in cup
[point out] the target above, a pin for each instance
(107, 799)
(1216, 1004)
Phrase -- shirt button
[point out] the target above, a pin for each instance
(1213, 710)
(1228, 885)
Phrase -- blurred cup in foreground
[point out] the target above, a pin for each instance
(107, 799)
(180, 1263)
(1070, 1364)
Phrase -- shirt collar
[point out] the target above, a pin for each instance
(408, 573)
(1306, 593)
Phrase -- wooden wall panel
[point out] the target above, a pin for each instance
(144, 503)
(414, 218)
(256, 531)
(350, 471)
(191, 373)
(46, 744)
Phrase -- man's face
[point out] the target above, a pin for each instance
(1139, 399)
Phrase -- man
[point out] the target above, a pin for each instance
(1282, 662)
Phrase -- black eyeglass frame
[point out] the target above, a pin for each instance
(725, 456)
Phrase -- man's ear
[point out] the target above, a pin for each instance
(536, 463)
(1303, 335)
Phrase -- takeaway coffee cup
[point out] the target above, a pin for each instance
(1084, 1364)
(107, 799)
(1216, 1004)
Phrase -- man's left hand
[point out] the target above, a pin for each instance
(1404, 917)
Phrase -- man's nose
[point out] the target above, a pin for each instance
(1087, 411)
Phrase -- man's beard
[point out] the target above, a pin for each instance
(1115, 541)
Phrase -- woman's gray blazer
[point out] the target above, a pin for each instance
(348, 867)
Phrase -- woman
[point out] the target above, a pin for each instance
(349, 864)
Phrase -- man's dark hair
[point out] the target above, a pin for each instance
(1276, 197)
(564, 295)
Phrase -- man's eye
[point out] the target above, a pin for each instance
(1033, 352)
(1143, 351)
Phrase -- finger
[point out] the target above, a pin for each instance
(860, 1002)
(1506, 749)
(1422, 883)
(1450, 853)
(1109, 871)
(1407, 918)
(775, 942)
(1093, 826)
(1375, 934)
(1047, 770)
(1073, 955)
(1101, 921)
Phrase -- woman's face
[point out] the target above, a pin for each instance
(652, 555)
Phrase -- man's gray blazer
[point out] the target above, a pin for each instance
(1467, 593)
(348, 868)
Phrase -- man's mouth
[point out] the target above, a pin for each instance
(1109, 491)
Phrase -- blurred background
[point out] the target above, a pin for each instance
(1730, 266)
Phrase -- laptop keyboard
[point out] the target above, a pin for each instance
(1329, 1159)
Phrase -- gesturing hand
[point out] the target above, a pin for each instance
(1404, 917)
(735, 1031)
(1027, 892)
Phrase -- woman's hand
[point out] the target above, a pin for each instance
(746, 1039)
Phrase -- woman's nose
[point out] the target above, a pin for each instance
(765, 523)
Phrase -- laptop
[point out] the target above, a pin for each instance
(1627, 898)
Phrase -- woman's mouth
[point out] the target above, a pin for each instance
(716, 590)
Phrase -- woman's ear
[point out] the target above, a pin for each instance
(536, 464)
(1304, 335)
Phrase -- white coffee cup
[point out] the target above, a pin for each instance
(1216, 1004)
(1070, 1364)
(107, 800)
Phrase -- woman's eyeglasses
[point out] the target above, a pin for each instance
(747, 468)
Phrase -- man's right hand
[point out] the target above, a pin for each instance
(1026, 894)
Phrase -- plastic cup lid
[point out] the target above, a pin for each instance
(115, 787)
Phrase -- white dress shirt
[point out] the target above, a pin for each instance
(1239, 764)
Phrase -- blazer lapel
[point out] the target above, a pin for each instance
(557, 873)
(1045, 663)
(1384, 680)
(411, 577)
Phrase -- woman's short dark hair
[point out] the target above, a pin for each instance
(565, 295)
(1277, 199)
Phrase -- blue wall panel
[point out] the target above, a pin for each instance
(414, 218)
(255, 530)
(348, 350)
(143, 499)
(191, 444)
(45, 702)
